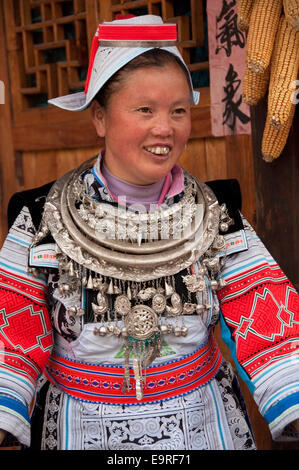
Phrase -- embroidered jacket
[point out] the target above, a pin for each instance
(258, 311)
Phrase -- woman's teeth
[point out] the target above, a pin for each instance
(158, 150)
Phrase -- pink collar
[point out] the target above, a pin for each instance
(173, 182)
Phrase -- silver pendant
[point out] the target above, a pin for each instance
(89, 283)
(193, 282)
(110, 289)
(189, 308)
(184, 330)
(158, 303)
(141, 322)
(102, 303)
(176, 305)
(168, 290)
(122, 304)
(164, 329)
(212, 263)
(129, 293)
(102, 331)
(146, 294)
(213, 284)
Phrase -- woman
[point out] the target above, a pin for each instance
(132, 259)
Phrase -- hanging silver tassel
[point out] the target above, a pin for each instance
(110, 289)
(129, 293)
(168, 289)
(89, 282)
(126, 379)
(137, 372)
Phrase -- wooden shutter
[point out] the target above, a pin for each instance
(48, 43)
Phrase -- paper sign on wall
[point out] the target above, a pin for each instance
(229, 114)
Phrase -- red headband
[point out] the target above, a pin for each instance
(130, 35)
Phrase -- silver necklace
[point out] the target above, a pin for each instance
(149, 306)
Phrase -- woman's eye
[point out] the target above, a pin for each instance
(180, 111)
(144, 109)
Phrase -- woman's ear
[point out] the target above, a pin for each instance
(98, 118)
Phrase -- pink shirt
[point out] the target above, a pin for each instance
(153, 194)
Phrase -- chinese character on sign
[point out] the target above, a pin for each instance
(229, 35)
(229, 114)
(232, 108)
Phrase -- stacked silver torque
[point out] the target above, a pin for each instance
(132, 267)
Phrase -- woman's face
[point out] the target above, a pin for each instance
(146, 124)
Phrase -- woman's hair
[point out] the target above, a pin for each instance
(152, 58)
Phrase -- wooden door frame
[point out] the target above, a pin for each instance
(10, 178)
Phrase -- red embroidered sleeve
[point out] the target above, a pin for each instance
(261, 309)
(25, 328)
(260, 324)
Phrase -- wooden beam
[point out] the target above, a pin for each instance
(51, 136)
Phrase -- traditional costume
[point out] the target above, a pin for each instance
(116, 306)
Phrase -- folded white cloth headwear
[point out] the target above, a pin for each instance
(115, 44)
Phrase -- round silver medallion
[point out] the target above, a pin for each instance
(141, 322)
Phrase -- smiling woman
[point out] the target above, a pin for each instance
(146, 123)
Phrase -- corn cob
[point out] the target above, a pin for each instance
(255, 86)
(291, 11)
(244, 8)
(284, 70)
(274, 140)
(263, 26)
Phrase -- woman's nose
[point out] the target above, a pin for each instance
(162, 126)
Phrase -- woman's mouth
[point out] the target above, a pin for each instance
(158, 150)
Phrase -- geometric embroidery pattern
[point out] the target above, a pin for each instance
(262, 313)
(23, 222)
(25, 329)
(11, 282)
(269, 308)
(25, 326)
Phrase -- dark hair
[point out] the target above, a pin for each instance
(152, 58)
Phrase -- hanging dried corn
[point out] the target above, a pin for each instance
(291, 11)
(244, 8)
(255, 86)
(263, 26)
(274, 140)
(283, 72)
